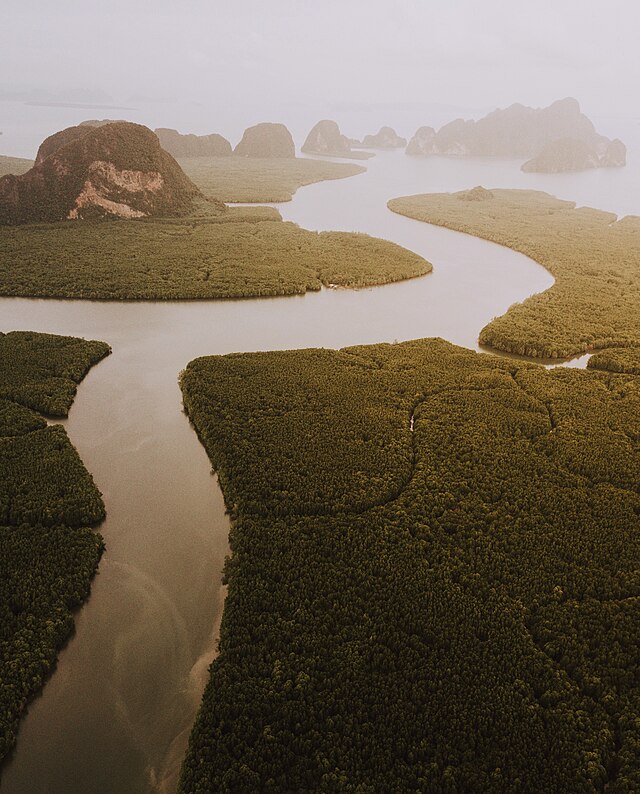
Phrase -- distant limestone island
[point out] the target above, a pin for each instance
(556, 138)
(385, 138)
(266, 140)
(262, 140)
(115, 169)
(325, 138)
(574, 154)
(179, 145)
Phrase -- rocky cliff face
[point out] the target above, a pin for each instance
(179, 145)
(516, 131)
(325, 138)
(116, 170)
(266, 140)
(386, 138)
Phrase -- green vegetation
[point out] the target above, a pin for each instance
(214, 252)
(47, 554)
(14, 165)
(255, 179)
(434, 574)
(204, 256)
(595, 301)
(42, 371)
(617, 359)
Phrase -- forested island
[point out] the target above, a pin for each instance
(594, 257)
(243, 252)
(433, 582)
(48, 502)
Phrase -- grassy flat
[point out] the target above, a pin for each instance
(433, 583)
(595, 301)
(254, 179)
(48, 555)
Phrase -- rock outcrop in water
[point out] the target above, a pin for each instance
(180, 145)
(266, 140)
(571, 154)
(326, 138)
(520, 131)
(116, 170)
(422, 142)
(386, 138)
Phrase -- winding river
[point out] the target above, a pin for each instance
(115, 715)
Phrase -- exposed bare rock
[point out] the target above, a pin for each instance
(179, 145)
(266, 140)
(519, 131)
(386, 138)
(423, 142)
(116, 170)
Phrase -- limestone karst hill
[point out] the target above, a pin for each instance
(115, 170)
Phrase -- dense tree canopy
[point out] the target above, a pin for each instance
(462, 616)
(47, 554)
(41, 371)
(617, 359)
(240, 253)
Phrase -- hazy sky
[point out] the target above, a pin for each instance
(472, 53)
